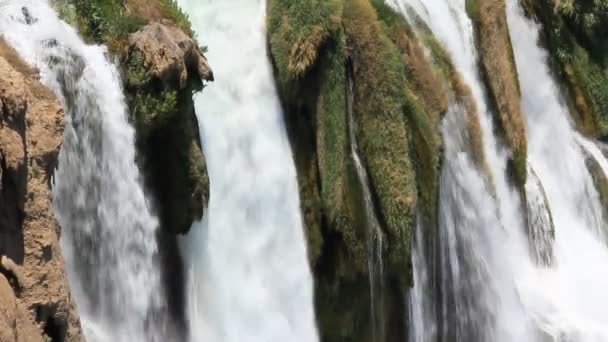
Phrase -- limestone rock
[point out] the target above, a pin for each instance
(15, 323)
(169, 54)
(10, 266)
(31, 121)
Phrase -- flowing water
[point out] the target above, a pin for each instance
(375, 240)
(500, 286)
(249, 278)
(569, 300)
(108, 231)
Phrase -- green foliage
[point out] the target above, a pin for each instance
(593, 80)
(173, 12)
(577, 37)
(154, 110)
(588, 15)
(136, 75)
(332, 129)
(111, 21)
(106, 20)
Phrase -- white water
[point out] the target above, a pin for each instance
(108, 230)
(527, 301)
(477, 296)
(249, 278)
(568, 301)
(540, 220)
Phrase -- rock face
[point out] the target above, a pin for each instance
(16, 324)
(169, 54)
(162, 62)
(31, 127)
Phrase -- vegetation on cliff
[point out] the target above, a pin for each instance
(327, 56)
(162, 67)
(500, 72)
(576, 34)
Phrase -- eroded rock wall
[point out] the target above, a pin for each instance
(31, 130)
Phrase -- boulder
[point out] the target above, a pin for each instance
(169, 54)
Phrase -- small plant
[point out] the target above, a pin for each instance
(35, 169)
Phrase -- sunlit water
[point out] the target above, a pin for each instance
(249, 278)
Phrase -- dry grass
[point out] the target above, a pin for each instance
(501, 73)
(379, 79)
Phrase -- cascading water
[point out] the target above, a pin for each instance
(108, 230)
(498, 290)
(374, 232)
(476, 298)
(569, 300)
(249, 278)
(541, 230)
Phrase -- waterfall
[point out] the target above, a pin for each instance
(541, 229)
(480, 230)
(249, 278)
(108, 231)
(374, 232)
(569, 300)
(496, 290)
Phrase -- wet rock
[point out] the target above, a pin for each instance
(27, 16)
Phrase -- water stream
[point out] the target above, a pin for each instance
(108, 230)
(249, 277)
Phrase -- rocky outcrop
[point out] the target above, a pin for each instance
(168, 54)
(163, 67)
(31, 127)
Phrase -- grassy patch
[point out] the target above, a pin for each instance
(297, 30)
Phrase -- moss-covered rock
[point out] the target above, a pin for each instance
(382, 132)
(327, 56)
(500, 72)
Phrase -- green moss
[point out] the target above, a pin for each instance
(425, 101)
(297, 30)
(397, 103)
(379, 79)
